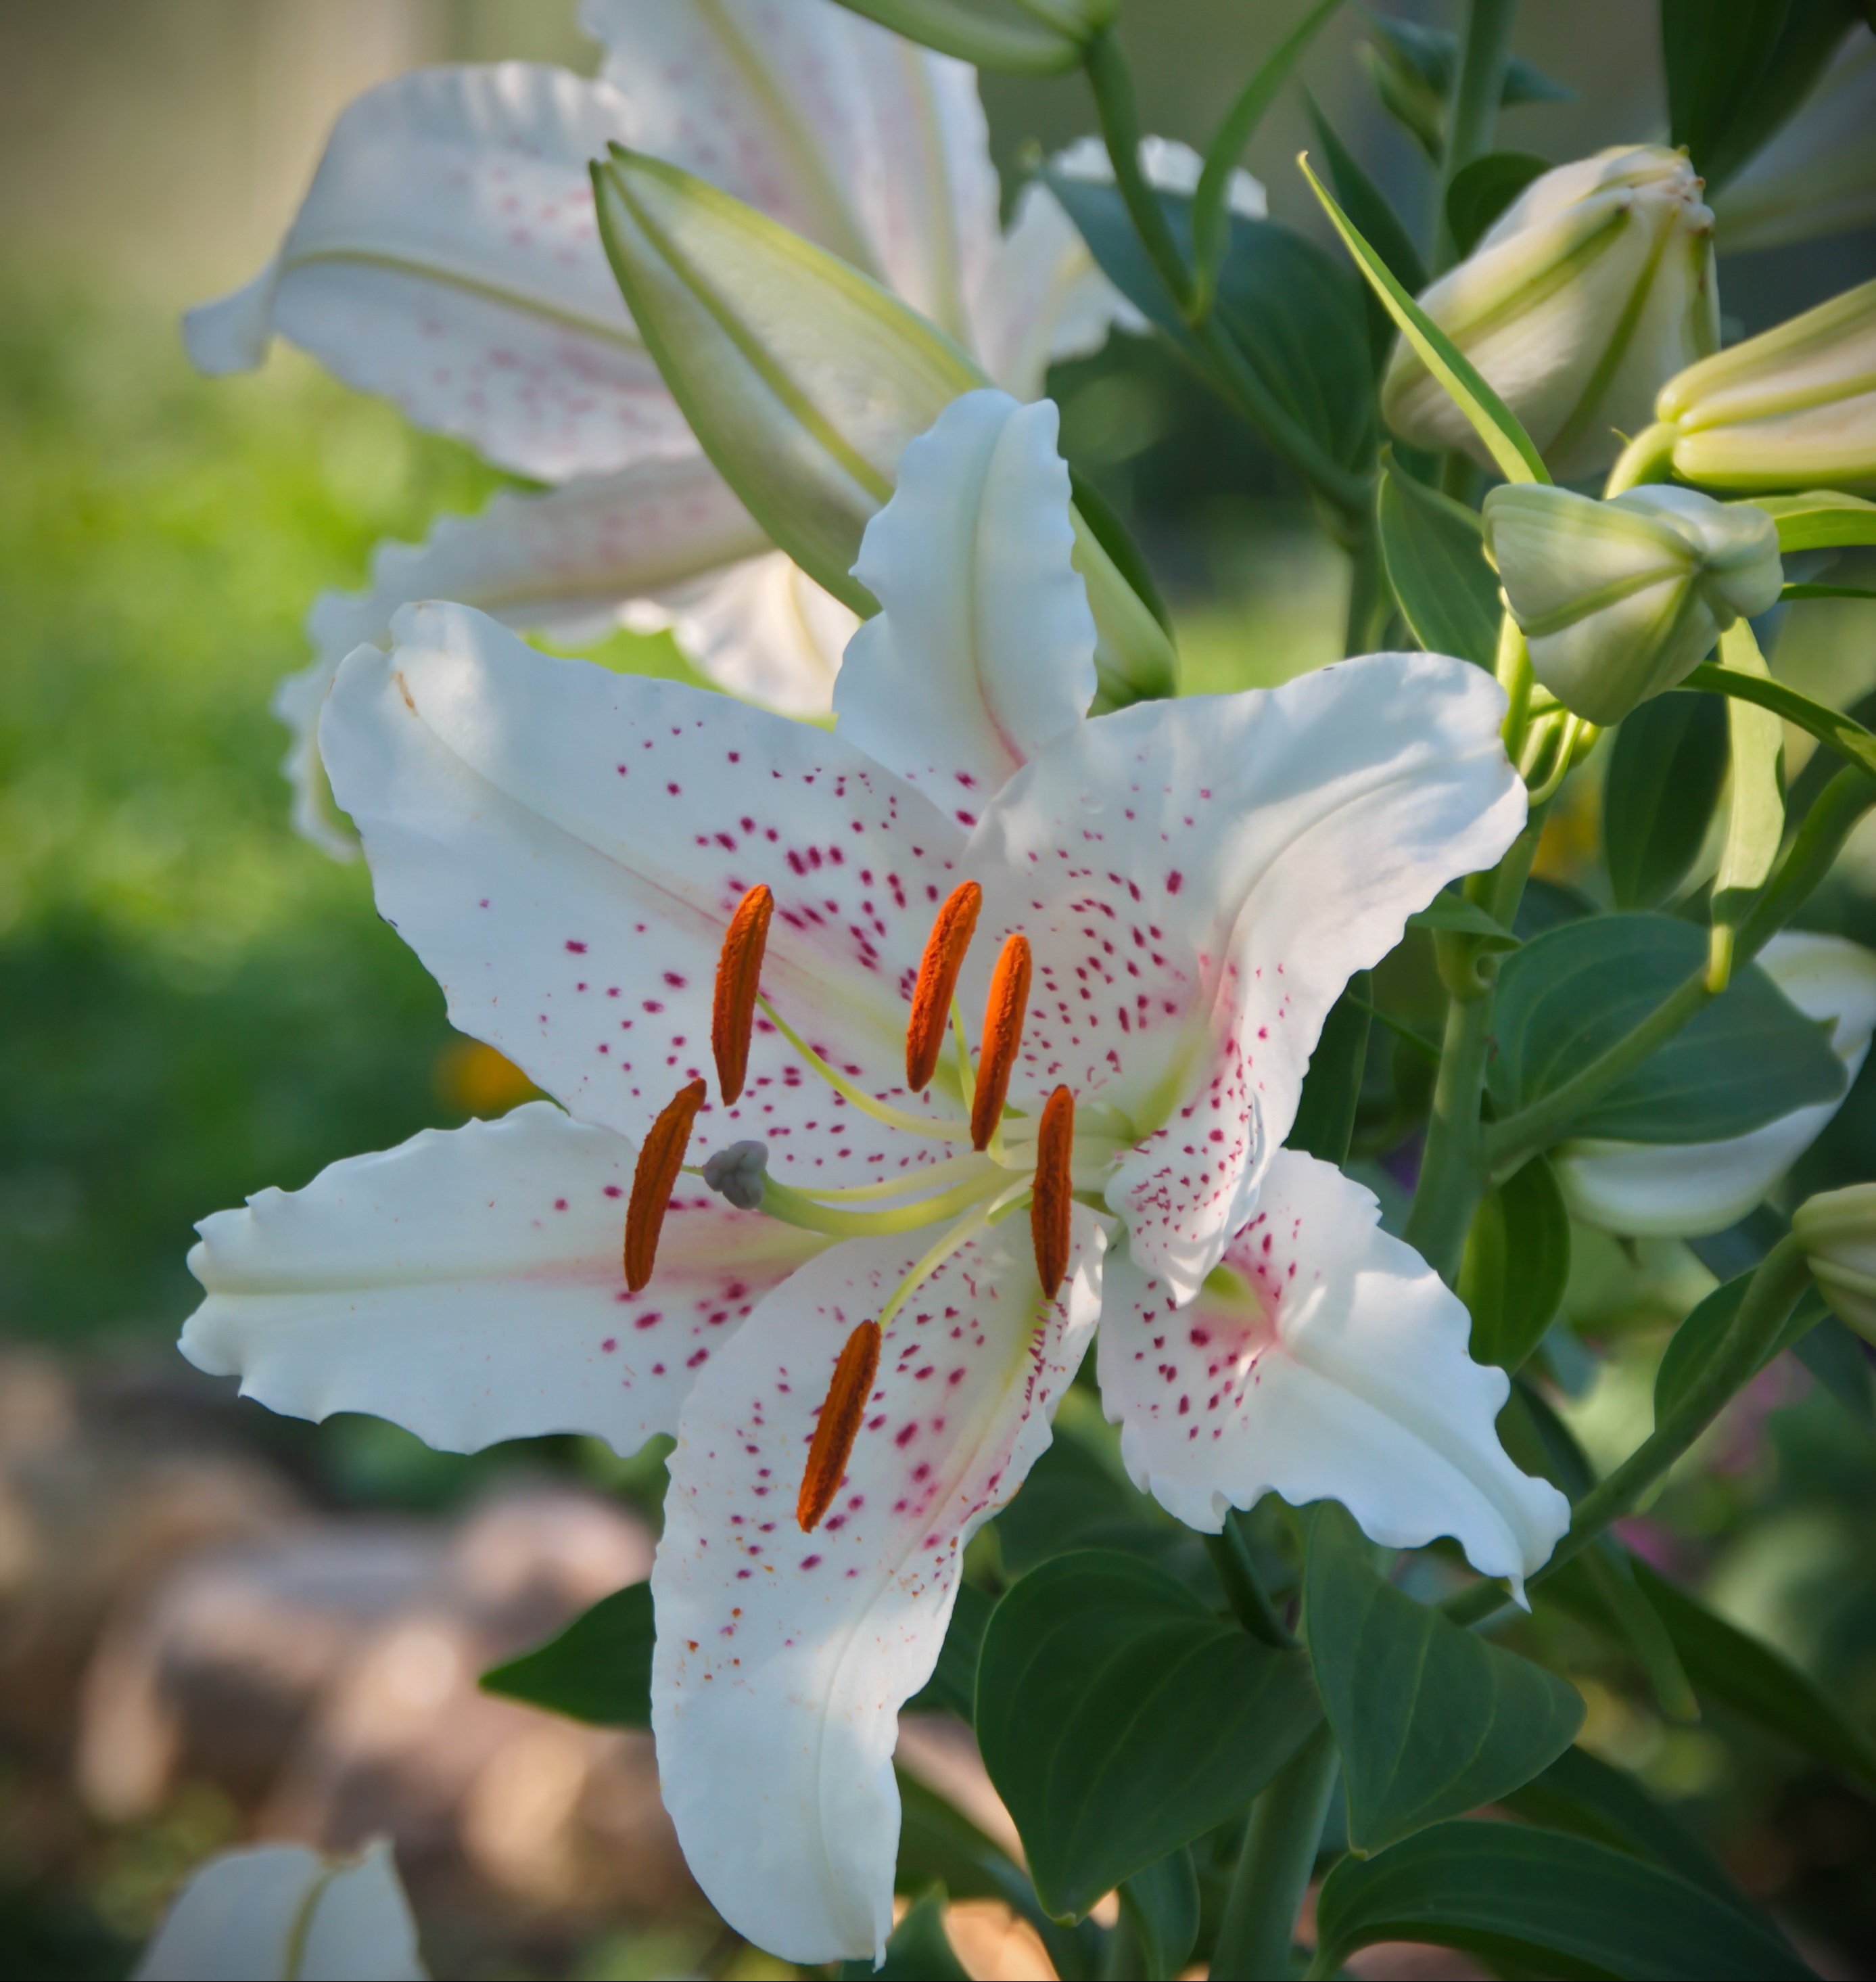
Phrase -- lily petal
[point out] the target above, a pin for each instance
(566, 561)
(983, 652)
(1685, 1190)
(277, 1913)
(564, 847)
(1199, 879)
(783, 1658)
(1323, 1359)
(467, 1286)
(872, 147)
(445, 256)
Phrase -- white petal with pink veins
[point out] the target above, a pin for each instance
(564, 847)
(983, 652)
(783, 1658)
(1199, 879)
(569, 561)
(1322, 1360)
(874, 148)
(446, 257)
(468, 1285)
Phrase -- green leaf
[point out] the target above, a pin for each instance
(952, 1687)
(918, 1949)
(1482, 190)
(1161, 1904)
(1694, 1343)
(1412, 67)
(1608, 1588)
(1210, 227)
(1537, 1902)
(1325, 1111)
(1737, 71)
(1105, 527)
(1822, 520)
(1370, 209)
(1505, 440)
(1827, 591)
(1288, 308)
(1434, 551)
(1843, 734)
(1451, 913)
(1430, 1719)
(1120, 1718)
(1755, 803)
(1834, 1354)
(1516, 1262)
(1731, 1670)
(1742, 1061)
(598, 1668)
(1666, 772)
(1578, 1793)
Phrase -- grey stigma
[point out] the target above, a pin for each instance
(739, 1174)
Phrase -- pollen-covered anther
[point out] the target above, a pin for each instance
(659, 1161)
(1051, 1207)
(839, 1425)
(739, 977)
(1003, 1013)
(938, 978)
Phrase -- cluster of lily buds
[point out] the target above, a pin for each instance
(1028, 37)
(1793, 408)
(1621, 600)
(1837, 1231)
(1592, 287)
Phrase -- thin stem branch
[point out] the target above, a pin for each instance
(1472, 116)
(1112, 83)
(1244, 1588)
(1258, 1931)
(1782, 1276)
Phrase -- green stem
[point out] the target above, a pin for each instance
(1369, 599)
(1473, 114)
(1257, 1934)
(1813, 852)
(1113, 85)
(1782, 1276)
(1452, 1171)
(1244, 1588)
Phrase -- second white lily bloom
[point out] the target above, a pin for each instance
(862, 1370)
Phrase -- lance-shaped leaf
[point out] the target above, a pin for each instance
(1019, 37)
(1666, 771)
(1431, 1720)
(1120, 1717)
(1516, 1259)
(804, 380)
(597, 1669)
(1434, 551)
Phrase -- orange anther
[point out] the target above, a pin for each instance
(739, 977)
(839, 1425)
(938, 978)
(1004, 1013)
(1051, 1208)
(659, 1162)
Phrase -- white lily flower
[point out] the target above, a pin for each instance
(281, 1912)
(1685, 1190)
(445, 256)
(616, 879)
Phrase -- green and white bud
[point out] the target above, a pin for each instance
(803, 380)
(1837, 1231)
(1590, 290)
(1024, 37)
(1793, 408)
(1621, 600)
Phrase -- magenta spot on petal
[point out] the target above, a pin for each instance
(610, 1343)
(578, 949)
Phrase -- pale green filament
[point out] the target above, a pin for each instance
(894, 1118)
(797, 1207)
(969, 1227)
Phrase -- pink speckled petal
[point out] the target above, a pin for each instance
(983, 651)
(783, 1658)
(874, 148)
(564, 847)
(1199, 879)
(468, 1285)
(1322, 1361)
(568, 561)
(446, 257)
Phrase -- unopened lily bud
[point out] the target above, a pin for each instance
(1025, 36)
(803, 380)
(1618, 601)
(1590, 290)
(1793, 408)
(1837, 1231)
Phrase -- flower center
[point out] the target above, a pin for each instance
(1006, 1160)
